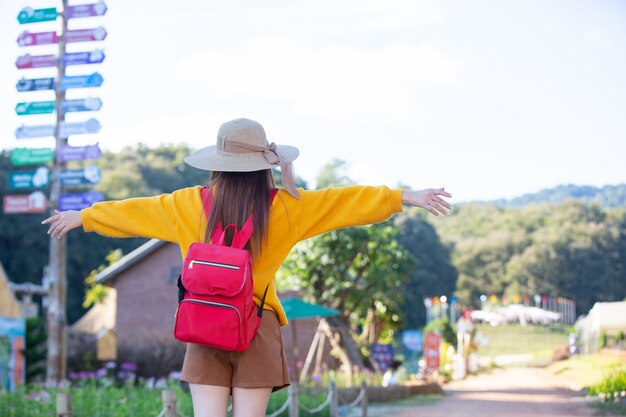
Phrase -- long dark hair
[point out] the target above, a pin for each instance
(235, 196)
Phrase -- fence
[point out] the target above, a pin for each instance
(333, 402)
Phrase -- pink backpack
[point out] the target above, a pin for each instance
(216, 305)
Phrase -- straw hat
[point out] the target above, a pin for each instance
(242, 147)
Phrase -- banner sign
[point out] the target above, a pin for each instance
(34, 84)
(30, 15)
(84, 58)
(30, 156)
(85, 35)
(412, 340)
(83, 104)
(86, 10)
(79, 201)
(35, 107)
(37, 61)
(74, 177)
(81, 81)
(66, 129)
(25, 204)
(12, 360)
(66, 153)
(431, 351)
(382, 355)
(39, 178)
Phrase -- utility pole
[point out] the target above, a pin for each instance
(56, 363)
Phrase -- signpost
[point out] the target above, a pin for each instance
(28, 156)
(68, 153)
(79, 201)
(41, 177)
(431, 351)
(35, 84)
(20, 180)
(81, 81)
(89, 175)
(35, 107)
(25, 203)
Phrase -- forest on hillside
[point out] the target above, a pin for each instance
(572, 248)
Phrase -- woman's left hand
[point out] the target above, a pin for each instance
(63, 222)
(428, 199)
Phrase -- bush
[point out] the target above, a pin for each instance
(612, 386)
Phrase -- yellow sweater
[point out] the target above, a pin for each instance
(178, 217)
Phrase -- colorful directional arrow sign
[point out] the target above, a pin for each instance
(31, 156)
(35, 107)
(82, 128)
(82, 81)
(20, 204)
(84, 58)
(86, 10)
(83, 104)
(66, 153)
(39, 178)
(85, 35)
(87, 176)
(66, 129)
(30, 15)
(79, 201)
(34, 84)
(32, 39)
(35, 61)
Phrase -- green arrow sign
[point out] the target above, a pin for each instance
(28, 156)
(30, 15)
(35, 107)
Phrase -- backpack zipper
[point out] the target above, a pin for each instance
(211, 303)
(219, 265)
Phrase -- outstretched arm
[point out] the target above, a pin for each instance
(63, 222)
(428, 199)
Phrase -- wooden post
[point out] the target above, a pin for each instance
(334, 400)
(64, 405)
(294, 406)
(169, 404)
(364, 401)
(56, 362)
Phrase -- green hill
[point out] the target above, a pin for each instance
(609, 196)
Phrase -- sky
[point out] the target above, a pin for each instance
(491, 99)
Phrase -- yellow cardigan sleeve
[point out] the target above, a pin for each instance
(152, 217)
(333, 208)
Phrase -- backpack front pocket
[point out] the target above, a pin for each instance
(208, 323)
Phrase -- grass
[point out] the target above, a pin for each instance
(538, 342)
(93, 400)
(588, 370)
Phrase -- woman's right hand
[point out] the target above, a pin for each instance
(63, 222)
(428, 199)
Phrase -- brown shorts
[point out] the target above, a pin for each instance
(262, 365)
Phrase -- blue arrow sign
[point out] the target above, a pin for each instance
(34, 84)
(83, 104)
(79, 201)
(86, 176)
(82, 81)
(81, 128)
(84, 58)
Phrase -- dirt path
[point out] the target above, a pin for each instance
(516, 392)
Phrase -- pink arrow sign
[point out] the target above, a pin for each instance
(42, 38)
(37, 61)
(85, 35)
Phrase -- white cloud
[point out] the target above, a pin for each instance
(332, 83)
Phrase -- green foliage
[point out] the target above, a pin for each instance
(36, 348)
(442, 326)
(612, 386)
(607, 196)
(94, 292)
